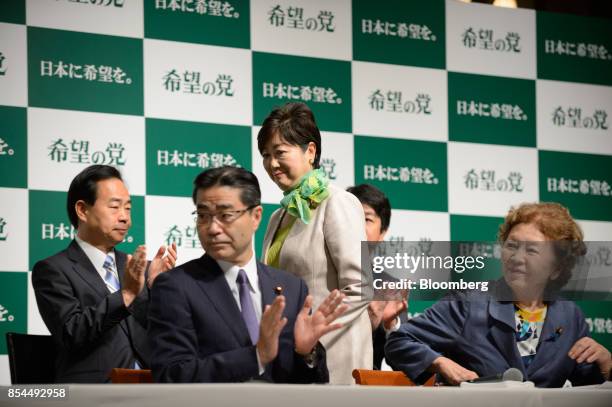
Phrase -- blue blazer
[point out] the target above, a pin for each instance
(197, 333)
(477, 331)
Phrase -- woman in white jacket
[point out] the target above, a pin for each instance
(317, 233)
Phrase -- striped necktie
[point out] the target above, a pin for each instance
(110, 278)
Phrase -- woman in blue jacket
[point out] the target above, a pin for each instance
(519, 323)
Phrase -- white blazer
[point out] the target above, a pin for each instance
(326, 254)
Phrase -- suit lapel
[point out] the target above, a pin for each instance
(120, 260)
(503, 332)
(212, 281)
(549, 339)
(88, 272)
(266, 285)
(273, 228)
(84, 268)
(295, 238)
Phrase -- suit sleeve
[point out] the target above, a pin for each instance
(344, 230)
(139, 308)
(73, 325)
(174, 345)
(584, 373)
(421, 340)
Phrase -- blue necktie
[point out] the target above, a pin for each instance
(246, 305)
(110, 278)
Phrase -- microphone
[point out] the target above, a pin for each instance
(512, 374)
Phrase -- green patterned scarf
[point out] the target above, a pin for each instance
(309, 192)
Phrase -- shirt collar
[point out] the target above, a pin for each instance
(95, 255)
(231, 272)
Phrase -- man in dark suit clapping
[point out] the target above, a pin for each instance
(225, 317)
(92, 297)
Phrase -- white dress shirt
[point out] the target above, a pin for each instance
(230, 271)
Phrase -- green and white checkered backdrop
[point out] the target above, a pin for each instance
(456, 111)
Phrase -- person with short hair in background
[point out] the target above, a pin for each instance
(317, 233)
(94, 298)
(521, 322)
(384, 314)
(226, 317)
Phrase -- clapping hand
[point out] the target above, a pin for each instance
(310, 327)
(161, 263)
(391, 311)
(270, 327)
(134, 275)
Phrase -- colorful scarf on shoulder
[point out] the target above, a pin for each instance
(309, 192)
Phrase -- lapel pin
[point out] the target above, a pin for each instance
(557, 333)
(278, 290)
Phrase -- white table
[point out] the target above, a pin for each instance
(269, 395)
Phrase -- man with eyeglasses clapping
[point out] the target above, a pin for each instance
(226, 317)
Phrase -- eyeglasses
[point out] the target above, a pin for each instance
(225, 217)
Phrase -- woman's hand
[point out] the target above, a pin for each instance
(452, 372)
(588, 350)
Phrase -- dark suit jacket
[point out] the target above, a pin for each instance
(477, 331)
(93, 330)
(197, 332)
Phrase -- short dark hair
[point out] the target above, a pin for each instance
(295, 123)
(234, 177)
(84, 187)
(376, 199)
